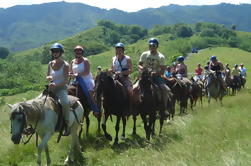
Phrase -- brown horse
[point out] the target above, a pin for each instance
(196, 92)
(180, 91)
(115, 102)
(147, 101)
(76, 90)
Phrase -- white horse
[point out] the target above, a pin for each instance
(42, 114)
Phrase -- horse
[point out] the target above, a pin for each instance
(148, 99)
(180, 91)
(115, 101)
(196, 92)
(76, 90)
(214, 87)
(42, 113)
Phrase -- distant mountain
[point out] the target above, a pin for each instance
(29, 26)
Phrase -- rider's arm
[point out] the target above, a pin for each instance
(142, 60)
(48, 76)
(86, 68)
(129, 71)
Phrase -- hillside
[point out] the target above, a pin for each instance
(30, 26)
(175, 40)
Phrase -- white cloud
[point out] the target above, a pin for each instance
(126, 5)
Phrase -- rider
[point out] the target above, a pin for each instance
(181, 67)
(122, 67)
(198, 72)
(156, 61)
(57, 75)
(80, 66)
(168, 73)
(236, 73)
(218, 68)
(243, 70)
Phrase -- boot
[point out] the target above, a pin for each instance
(67, 130)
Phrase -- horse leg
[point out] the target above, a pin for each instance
(75, 145)
(152, 121)
(143, 117)
(48, 159)
(161, 120)
(87, 119)
(124, 126)
(117, 130)
(99, 122)
(134, 124)
(107, 136)
(42, 146)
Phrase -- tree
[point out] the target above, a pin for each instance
(4, 52)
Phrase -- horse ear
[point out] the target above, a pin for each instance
(10, 106)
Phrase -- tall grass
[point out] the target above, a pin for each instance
(210, 135)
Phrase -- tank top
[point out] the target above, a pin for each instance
(57, 75)
(120, 65)
(78, 68)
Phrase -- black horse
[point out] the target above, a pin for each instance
(115, 101)
(76, 90)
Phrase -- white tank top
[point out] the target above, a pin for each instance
(57, 75)
(78, 68)
(119, 66)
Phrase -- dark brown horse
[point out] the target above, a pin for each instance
(147, 101)
(76, 90)
(180, 91)
(115, 101)
(196, 92)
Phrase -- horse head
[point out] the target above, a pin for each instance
(18, 122)
(212, 78)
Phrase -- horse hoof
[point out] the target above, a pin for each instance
(122, 137)
(108, 137)
(68, 161)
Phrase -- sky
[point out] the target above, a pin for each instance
(125, 5)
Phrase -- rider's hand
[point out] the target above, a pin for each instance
(118, 73)
(49, 78)
(52, 85)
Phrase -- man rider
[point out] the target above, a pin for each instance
(155, 60)
(218, 68)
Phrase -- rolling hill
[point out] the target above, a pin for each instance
(25, 27)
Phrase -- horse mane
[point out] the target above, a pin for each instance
(34, 108)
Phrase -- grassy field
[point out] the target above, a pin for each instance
(209, 135)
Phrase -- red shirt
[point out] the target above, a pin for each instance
(198, 71)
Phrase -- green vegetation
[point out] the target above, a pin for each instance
(25, 71)
(30, 26)
(210, 135)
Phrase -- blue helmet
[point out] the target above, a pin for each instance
(120, 45)
(57, 46)
(153, 41)
(180, 59)
(213, 58)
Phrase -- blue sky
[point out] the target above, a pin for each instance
(126, 5)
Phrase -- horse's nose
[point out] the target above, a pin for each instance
(16, 139)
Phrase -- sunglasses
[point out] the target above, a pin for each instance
(55, 51)
(78, 50)
(152, 46)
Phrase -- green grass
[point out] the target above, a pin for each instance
(210, 135)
